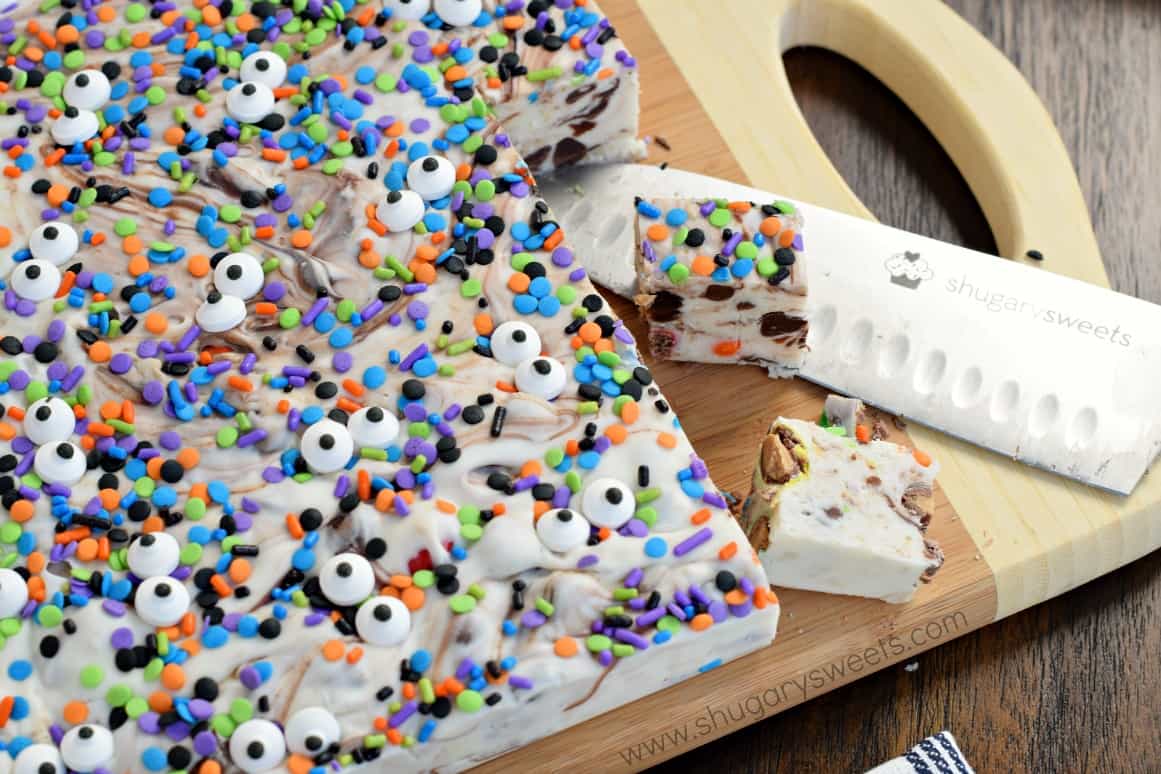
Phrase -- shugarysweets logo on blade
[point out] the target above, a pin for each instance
(908, 270)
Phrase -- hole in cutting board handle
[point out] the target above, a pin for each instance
(884, 152)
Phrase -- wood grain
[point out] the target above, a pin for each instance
(1072, 684)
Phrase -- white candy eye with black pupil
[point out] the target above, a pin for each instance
(48, 420)
(239, 274)
(383, 621)
(250, 102)
(86, 748)
(59, 463)
(458, 13)
(432, 177)
(542, 376)
(400, 210)
(74, 125)
(409, 10)
(54, 242)
(153, 554)
(608, 503)
(347, 579)
(220, 312)
(326, 446)
(264, 67)
(373, 427)
(38, 759)
(36, 280)
(514, 342)
(13, 593)
(562, 530)
(161, 600)
(311, 730)
(257, 745)
(88, 90)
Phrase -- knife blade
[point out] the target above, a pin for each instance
(1047, 370)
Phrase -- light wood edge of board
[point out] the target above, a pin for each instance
(1041, 534)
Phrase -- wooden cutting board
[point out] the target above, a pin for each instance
(714, 90)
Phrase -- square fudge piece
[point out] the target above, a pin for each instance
(835, 508)
(722, 282)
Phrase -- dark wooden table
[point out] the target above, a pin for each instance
(1073, 684)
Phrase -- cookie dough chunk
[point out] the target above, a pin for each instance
(835, 508)
(723, 282)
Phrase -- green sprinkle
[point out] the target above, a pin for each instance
(191, 553)
(470, 288)
(598, 642)
(118, 695)
(477, 591)
(588, 407)
(10, 532)
(241, 710)
(766, 267)
(554, 457)
(230, 213)
(289, 318)
(368, 453)
(462, 603)
(135, 12)
(678, 272)
(155, 95)
(92, 675)
(471, 532)
(573, 481)
(153, 669)
(719, 217)
(668, 624)
(423, 579)
(136, 707)
(385, 82)
(469, 701)
(623, 594)
(548, 73)
(468, 514)
(125, 227)
(747, 250)
(485, 190)
(195, 509)
(226, 437)
(545, 607)
(223, 725)
(622, 650)
(345, 310)
(648, 514)
(520, 260)
(648, 495)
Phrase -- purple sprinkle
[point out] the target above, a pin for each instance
(250, 677)
(588, 560)
(605, 658)
(633, 579)
(562, 257)
(205, 743)
(122, 638)
(406, 711)
(747, 586)
(675, 611)
(532, 619)
(516, 681)
(718, 611)
(649, 617)
(169, 440)
(634, 639)
(149, 722)
(274, 291)
(342, 362)
(693, 541)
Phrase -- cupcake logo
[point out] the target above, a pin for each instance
(908, 270)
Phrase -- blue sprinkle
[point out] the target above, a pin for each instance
(707, 666)
(102, 283)
(374, 377)
(20, 669)
(660, 638)
(248, 626)
(155, 759)
(218, 492)
(420, 660)
(509, 628)
(160, 197)
(215, 637)
(303, 559)
(548, 306)
(312, 414)
(675, 217)
(742, 267)
(540, 287)
(521, 231)
(425, 366)
(656, 547)
(588, 459)
(692, 488)
(524, 303)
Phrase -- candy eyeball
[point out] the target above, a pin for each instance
(161, 600)
(13, 593)
(400, 210)
(257, 745)
(514, 342)
(250, 102)
(543, 376)
(458, 13)
(48, 420)
(54, 242)
(87, 90)
(373, 427)
(562, 530)
(74, 125)
(264, 67)
(38, 759)
(36, 280)
(410, 10)
(326, 446)
(383, 621)
(311, 730)
(60, 463)
(239, 274)
(608, 503)
(87, 747)
(153, 554)
(220, 313)
(347, 579)
(432, 177)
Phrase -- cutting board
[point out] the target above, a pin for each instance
(714, 89)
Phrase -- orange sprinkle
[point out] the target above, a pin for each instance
(786, 238)
(455, 73)
(565, 647)
(657, 232)
(700, 517)
(266, 308)
(539, 508)
(5, 236)
(173, 677)
(274, 154)
(702, 265)
(152, 524)
(499, 509)
(445, 506)
(101, 430)
(363, 487)
(74, 712)
(211, 15)
(701, 622)
(160, 701)
(295, 764)
(922, 457)
(617, 434)
(554, 239)
(630, 412)
(294, 527)
(862, 434)
(348, 405)
(100, 352)
(219, 585)
(87, 550)
(109, 499)
(666, 440)
(301, 238)
(153, 467)
(425, 272)
(353, 387)
(198, 265)
(727, 348)
(483, 324)
(740, 207)
(174, 135)
(110, 409)
(770, 226)
(156, 323)
(735, 596)
(189, 457)
(22, 510)
(240, 383)
(369, 259)
(589, 333)
(760, 598)
(413, 597)
(519, 282)
(239, 570)
(728, 550)
(354, 655)
(513, 22)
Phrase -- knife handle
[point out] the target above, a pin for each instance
(975, 102)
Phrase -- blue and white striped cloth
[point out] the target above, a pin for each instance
(938, 754)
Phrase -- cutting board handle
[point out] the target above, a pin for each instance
(975, 102)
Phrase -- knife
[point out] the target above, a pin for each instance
(1047, 370)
